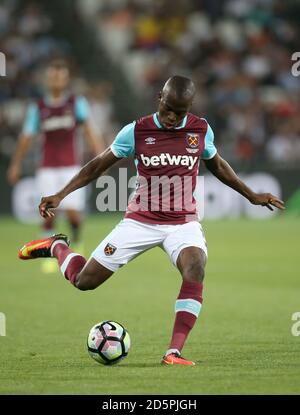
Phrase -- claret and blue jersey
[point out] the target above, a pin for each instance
(158, 153)
(124, 143)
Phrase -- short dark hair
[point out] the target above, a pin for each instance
(182, 87)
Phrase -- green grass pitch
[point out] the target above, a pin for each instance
(242, 342)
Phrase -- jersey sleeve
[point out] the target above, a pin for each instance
(31, 124)
(123, 144)
(209, 150)
(82, 109)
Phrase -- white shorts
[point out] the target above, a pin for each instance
(130, 238)
(52, 179)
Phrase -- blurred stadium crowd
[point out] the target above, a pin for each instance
(237, 51)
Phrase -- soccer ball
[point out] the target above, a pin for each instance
(108, 342)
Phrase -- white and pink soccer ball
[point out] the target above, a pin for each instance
(108, 342)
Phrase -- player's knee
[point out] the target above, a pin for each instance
(84, 284)
(194, 271)
(91, 279)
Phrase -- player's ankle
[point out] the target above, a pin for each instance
(55, 243)
(170, 351)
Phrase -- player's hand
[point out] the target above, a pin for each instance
(268, 200)
(13, 174)
(47, 204)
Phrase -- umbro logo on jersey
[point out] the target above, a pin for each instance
(150, 140)
(165, 159)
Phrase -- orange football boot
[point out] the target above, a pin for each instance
(40, 248)
(176, 359)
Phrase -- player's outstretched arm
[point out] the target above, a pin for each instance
(224, 172)
(92, 170)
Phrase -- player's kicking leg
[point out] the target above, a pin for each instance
(83, 274)
(191, 263)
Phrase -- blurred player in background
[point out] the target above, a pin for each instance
(57, 117)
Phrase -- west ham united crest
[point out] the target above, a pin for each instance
(109, 249)
(192, 140)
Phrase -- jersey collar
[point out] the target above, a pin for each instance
(158, 124)
(61, 102)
